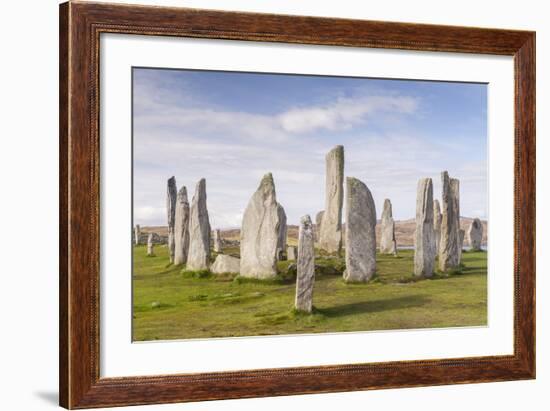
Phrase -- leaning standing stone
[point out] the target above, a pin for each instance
(171, 197)
(217, 241)
(448, 248)
(305, 266)
(424, 242)
(181, 228)
(137, 234)
(291, 252)
(150, 246)
(475, 234)
(360, 232)
(199, 230)
(330, 238)
(387, 232)
(260, 232)
(437, 224)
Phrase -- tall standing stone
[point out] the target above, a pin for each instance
(281, 240)
(449, 241)
(475, 235)
(424, 241)
(199, 230)
(388, 244)
(150, 246)
(260, 232)
(217, 241)
(171, 198)
(137, 234)
(437, 224)
(330, 238)
(181, 228)
(360, 232)
(305, 266)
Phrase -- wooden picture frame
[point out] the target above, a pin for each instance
(80, 27)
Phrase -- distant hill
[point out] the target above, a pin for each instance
(404, 231)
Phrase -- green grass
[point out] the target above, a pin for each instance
(172, 303)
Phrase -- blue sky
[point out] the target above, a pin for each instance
(231, 128)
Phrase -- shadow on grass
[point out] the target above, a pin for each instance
(374, 306)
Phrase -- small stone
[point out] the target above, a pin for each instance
(475, 235)
(217, 241)
(291, 252)
(181, 228)
(260, 232)
(360, 232)
(388, 245)
(225, 264)
(155, 304)
(330, 238)
(150, 246)
(424, 244)
(199, 230)
(171, 197)
(305, 277)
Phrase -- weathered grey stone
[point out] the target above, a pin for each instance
(225, 264)
(281, 240)
(318, 222)
(448, 247)
(217, 241)
(260, 232)
(424, 241)
(171, 197)
(137, 234)
(305, 277)
(291, 252)
(437, 224)
(181, 228)
(387, 230)
(150, 246)
(475, 234)
(360, 232)
(461, 234)
(199, 230)
(330, 238)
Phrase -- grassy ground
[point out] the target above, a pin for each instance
(171, 304)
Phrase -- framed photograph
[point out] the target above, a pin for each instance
(259, 205)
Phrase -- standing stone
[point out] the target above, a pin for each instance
(305, 266)
(137, 234)
(260, 232)
(424, 241)
(460, 244)
(291, 252)
(448, 247)
(475, 235)
(150, 246)
(199, 230)
(281, 240)
(387, 232)
(330, 238)
(217, 241)
(318, 221)
(360, 232)
(181, 228)
(171, 198)
(437, 224)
